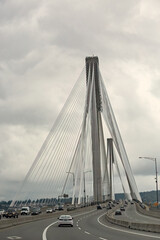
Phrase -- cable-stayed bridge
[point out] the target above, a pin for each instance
(83, 150)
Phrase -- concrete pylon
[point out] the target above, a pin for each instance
(92, 79)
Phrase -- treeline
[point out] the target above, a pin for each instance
(148, 197)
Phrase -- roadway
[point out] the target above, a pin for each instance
(131, 215)
(87, 226)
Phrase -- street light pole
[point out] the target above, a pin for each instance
(84, 191)
(156, 171)
(73, 195)
(156, 181)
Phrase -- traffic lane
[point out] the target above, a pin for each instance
(131, 214)
(68, 233)
(33, 230)
(26, 231)
(105, 230)
(128, 215)
(145, 218)
(52, 231)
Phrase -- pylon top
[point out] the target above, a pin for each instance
(93, 59)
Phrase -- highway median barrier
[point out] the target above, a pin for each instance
(147, 211)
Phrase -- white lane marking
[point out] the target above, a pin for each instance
(14, 237)
(102, 238)
(86, 232)
(79, 228)
(44, 237)
(45, 230)
(121, 230)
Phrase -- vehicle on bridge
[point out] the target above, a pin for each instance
(25, 211)
(64, 220)
(49, 210)
(11, 213)
(99, 206)
(61, 207)
(2, 212)
(71, 208)
(35, 211)
(118, 212)
(108, 207)
(122, 209)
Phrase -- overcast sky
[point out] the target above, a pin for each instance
(43, 45)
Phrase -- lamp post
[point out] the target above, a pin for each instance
(84, 191)
(156, 171)
(73, 195)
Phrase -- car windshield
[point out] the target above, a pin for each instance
(11, 210)
(35, 209)
(64, 217)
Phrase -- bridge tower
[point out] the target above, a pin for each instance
(75, 145)
(92, 79)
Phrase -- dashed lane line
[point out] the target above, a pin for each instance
(44, 235)
(14, 237)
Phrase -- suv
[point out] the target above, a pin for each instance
(11, 213)
(25, 211)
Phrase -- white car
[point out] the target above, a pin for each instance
(49, 210)
(65, 220)
(25, 211)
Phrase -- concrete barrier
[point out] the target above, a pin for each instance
(147, 212)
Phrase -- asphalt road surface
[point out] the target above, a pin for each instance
(130, 214)
(87, 226)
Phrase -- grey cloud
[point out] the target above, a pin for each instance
(16, 11)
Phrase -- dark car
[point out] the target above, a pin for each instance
(71, 208)
(108, 207)
(99, 206)
(35, 211)
(11, 213)
(118, 212)
(122, 209)
(60, 208)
